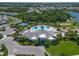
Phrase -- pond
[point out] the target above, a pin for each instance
(75, 15)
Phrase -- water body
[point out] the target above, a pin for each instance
(75, 15)
(9, 13)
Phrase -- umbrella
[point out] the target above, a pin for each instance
(33, 38)
(51, 38)
(42, 36)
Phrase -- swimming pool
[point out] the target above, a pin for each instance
(40, 27)
(23, 24)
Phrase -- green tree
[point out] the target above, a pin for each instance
(37, 42)
(1, 36)
(71, 35)
(47, 43)
(59, 36)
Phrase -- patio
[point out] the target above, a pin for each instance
(39, 34)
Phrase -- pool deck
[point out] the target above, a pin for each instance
(37, 33)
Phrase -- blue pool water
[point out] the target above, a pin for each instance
(75, 15)
(42, 27)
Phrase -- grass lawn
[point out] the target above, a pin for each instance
(5, 51)
(64, 47)
(25, 43)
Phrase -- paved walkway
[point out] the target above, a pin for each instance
(8, 31)
(14, 48)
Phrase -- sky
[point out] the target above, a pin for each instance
(39, 0)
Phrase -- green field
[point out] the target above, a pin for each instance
(67, 48)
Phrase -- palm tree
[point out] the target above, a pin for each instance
(1, 36)
(71, 35)
(37, 42)
(59, 36)
(47, 43)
